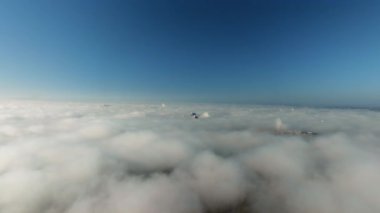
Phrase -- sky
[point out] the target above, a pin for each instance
(244, 51)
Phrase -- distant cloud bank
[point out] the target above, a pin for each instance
(96, 158)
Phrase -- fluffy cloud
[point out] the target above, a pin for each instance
(87, 157)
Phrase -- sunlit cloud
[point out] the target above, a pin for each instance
(87, 157)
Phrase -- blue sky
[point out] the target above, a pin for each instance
(252, 51)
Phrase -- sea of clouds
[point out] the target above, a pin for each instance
(60, 157)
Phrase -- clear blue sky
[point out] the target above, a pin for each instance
(261, 51)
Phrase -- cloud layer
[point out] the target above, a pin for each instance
(87, 157)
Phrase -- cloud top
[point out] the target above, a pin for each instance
(88, 157)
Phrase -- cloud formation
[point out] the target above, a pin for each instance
(87, 157)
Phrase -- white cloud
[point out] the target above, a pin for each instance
(78, 158)
(205, 115)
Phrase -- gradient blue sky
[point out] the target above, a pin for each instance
(255, 51)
